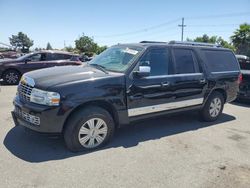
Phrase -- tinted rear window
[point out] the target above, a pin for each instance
(184, 61)
(219, 61)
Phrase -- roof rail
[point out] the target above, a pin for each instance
(195, 43)
(152, 42)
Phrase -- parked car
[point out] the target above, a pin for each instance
(244, 92)
(11, 70)
(244, 62)
(10, 54)
(126, 83)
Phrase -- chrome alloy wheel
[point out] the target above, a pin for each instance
(215, 107)
(92, 133)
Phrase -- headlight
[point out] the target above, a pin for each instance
(44, 97)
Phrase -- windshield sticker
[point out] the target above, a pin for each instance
(130, 51)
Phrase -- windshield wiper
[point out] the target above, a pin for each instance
(100, 67)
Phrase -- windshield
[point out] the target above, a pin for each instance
(24, 56)
(117, 58)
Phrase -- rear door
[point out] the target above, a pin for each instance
(188, 81)
(57, 59)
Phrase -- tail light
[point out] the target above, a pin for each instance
(240, 78)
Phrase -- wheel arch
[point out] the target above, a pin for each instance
(98, 103)
(219, 90)
(222, 91)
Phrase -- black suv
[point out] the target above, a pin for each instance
(125, 83)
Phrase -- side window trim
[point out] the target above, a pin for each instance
(196, 63)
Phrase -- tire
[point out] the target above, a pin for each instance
(213, 107)
(82, 132)
(11, 77)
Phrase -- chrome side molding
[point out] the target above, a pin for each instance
(164, 107)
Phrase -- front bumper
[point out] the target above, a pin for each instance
(39, 118)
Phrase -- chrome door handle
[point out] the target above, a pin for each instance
(202, 81)
(136, 97)
(165, 84)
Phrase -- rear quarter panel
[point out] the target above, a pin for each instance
(226, 80)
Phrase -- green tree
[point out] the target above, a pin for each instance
(241, 39)
(69, 49)
(21, 41)
(203, 38)
(100, 49)
(49, 47)
(86, 44)
(214, 40)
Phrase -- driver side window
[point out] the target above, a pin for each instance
(158, 60)
(35, 57)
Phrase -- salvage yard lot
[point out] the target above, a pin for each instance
(171, 151)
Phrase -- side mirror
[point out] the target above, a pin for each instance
(143, 71)
(27, 60)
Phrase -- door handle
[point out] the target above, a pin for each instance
(136, 97)
(165, 84)
(202, 81)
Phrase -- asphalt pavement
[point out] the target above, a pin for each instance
(170, 151)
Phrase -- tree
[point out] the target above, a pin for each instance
(21, 41)
(49, 47)
(214, 40)
(100, 49)
(203, 38)
(69, 49)
(241, 39)
(86, 44)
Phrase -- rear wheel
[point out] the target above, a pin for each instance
(213, 107)
(11, 77)
(88, 129)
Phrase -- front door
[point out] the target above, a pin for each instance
(34, 62)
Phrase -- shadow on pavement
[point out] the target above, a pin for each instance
(242, 103)
(33, 147)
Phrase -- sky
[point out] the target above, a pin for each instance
(110, 22)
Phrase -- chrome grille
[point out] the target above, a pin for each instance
(24, 91)
(27, 117)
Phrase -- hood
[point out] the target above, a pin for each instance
(49, 77)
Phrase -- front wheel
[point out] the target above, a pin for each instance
(213, 107)
(88, 129)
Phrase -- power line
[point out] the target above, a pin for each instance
(171, 22)
(213, 25)
(5, 44)
(140, 30)
(219, 15)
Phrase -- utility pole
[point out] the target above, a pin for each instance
(182, 28)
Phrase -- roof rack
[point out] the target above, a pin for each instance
(152, 42)
(195, 44)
